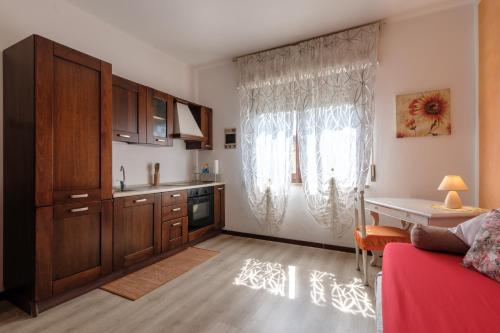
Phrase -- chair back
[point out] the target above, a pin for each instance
(359, 211)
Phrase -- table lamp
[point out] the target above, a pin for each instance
(452, 184)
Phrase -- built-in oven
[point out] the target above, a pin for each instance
(200, 207)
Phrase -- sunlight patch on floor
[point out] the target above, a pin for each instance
(350, 297)
(324, 289)
(264, 275)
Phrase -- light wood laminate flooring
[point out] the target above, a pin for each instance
(251, 286)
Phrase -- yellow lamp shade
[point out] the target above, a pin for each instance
(453, 183)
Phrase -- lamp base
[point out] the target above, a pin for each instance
(452, 200)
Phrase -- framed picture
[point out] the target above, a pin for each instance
(423, 114)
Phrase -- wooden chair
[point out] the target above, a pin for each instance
(372, 237)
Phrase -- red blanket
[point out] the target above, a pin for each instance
(431, 292)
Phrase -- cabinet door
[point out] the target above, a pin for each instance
(206, 127)
(136, 229)
(129, 111)
(160, 118)
(73, 126)
(73, 246)
(203, 117)
(174, 233)
(219, 207)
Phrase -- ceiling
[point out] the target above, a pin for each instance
(198, 32)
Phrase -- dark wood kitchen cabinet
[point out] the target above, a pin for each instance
(174, 216)
(203, 117)
(73, 246)
(174, 233)
(219, 207)
(137, 229)
(160, 118)
(72, 125)
(129, 111)
(63, 233)
(57, 158)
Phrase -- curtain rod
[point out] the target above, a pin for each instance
(308, 39)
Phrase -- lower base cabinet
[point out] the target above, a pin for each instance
(219, 207)
(79, 243)
(137, 229)
(174, 233)
(73, 246)
(174, 226)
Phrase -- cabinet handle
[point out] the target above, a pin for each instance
(176, 224)
(160, 140)
(77, 210)
(123, 135)
(77, 196)
(220, 188)
(175, 209)
(175, 195)
(140, 200)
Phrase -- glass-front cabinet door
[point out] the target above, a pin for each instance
(160, 118)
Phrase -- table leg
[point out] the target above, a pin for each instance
(375, 256)
(375, 221)
(406, 225)
(375, 217)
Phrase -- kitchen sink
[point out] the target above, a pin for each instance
(185, 183)
(133, 188)
(136, 188)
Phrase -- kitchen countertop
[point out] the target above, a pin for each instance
(148, 189)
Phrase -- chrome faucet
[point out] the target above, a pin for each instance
(122, 182)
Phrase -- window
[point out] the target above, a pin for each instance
(342, 139)
(294, 151)
(270, 153)
(296, 177)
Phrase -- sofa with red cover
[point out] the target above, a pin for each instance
(429, 292)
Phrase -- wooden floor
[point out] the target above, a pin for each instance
(252, 286)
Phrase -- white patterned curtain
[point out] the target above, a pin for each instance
(327, 85)
(335, 127)
(266, 140)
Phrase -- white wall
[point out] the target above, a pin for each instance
(131, 58)
(176, 163)
(416, 54)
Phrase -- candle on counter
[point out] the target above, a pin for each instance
(216, 167)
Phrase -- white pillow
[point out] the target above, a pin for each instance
(467, 230)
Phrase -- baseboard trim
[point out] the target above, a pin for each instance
(290, 241)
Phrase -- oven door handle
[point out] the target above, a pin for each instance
(200, 198)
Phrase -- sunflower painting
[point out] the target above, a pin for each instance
(423, 114)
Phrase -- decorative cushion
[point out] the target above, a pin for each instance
(437, 239)
(467, 230)
(378, 236)
(484, 254)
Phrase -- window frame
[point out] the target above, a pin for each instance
(297, 176)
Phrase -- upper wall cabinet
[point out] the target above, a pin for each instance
(129, 111)
(160, 118)
(203, 117)
(146, 116)
(72, 125)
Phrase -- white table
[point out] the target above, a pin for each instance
(419, 211)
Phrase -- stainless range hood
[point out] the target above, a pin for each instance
(185, 126)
